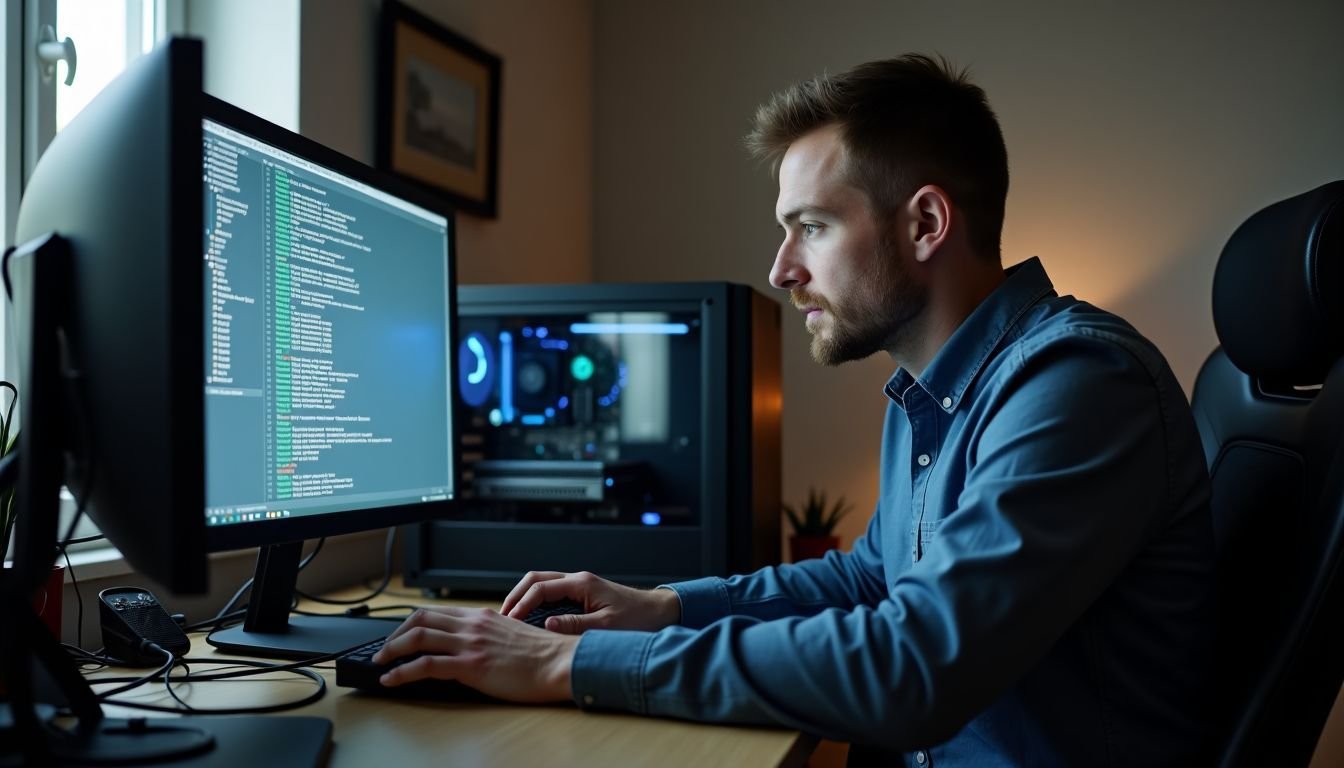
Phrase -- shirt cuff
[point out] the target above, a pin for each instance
(608, 669)
(703, 601)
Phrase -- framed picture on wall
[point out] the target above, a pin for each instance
(438, 109)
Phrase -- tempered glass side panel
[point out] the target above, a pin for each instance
(585, 414)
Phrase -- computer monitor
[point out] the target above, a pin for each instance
(229, 336)
(104, 284)
(328, 320)
(107, 318)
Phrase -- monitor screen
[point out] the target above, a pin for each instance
(329, 321)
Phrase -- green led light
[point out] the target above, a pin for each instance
(581, 368)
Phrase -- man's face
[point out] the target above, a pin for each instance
(843, 265)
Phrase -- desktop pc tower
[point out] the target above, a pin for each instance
(630, 430)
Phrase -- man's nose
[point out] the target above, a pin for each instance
(787, 272)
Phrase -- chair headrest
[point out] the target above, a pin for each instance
(1278, 292)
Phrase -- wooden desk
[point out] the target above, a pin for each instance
(383, 732)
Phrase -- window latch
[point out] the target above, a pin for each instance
(50, 50)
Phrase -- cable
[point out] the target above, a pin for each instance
(88, 661)
(387, 578)
(79, 599)
(69, 536)
(368, 584)
(221, 616)
(257, 668)
(9, 464)
(163, 670)
(168, 685)
(225, 611)
(9, 412)
(205, 625)
(62, 548)
(261, 667)
(361, 614)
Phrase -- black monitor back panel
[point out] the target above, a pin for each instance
(631, 430)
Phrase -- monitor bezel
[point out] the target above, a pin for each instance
(278, 531)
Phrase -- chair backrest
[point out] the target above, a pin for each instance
(1270, 408)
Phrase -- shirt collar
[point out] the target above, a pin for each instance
(966, 351)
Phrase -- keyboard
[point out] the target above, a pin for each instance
(538, 616)
(356, 669)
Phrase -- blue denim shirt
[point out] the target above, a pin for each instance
(1034, 588)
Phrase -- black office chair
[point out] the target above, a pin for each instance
(1270, 407)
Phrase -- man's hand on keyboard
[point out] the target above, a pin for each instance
(494, 654)
(607, 605)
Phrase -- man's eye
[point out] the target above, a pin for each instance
(811, 229)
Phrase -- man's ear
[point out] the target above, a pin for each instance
(930, 220)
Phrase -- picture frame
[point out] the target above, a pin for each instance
(438, 109)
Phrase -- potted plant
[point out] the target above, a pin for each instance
(814, 525)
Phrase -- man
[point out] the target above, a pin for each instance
(1035, 585)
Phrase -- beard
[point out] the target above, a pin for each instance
(876, 316)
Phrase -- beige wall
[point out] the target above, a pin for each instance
(251, 56)
(544, 230)
(1139, 136)
(319, 73)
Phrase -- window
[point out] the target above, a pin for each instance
(103, 53)
(38, 41)
(105, 35)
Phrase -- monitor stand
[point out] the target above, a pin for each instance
(269, 629)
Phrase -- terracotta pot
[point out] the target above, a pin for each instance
(47, 602)
(809, 547)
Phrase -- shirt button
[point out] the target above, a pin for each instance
(588, 699)
(947, 402)
(921, 758)
(923, 459)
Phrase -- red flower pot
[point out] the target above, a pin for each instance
(809, 547)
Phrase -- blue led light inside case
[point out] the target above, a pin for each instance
(506, 376)
(667, 329)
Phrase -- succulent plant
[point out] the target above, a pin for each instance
(817, 517)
